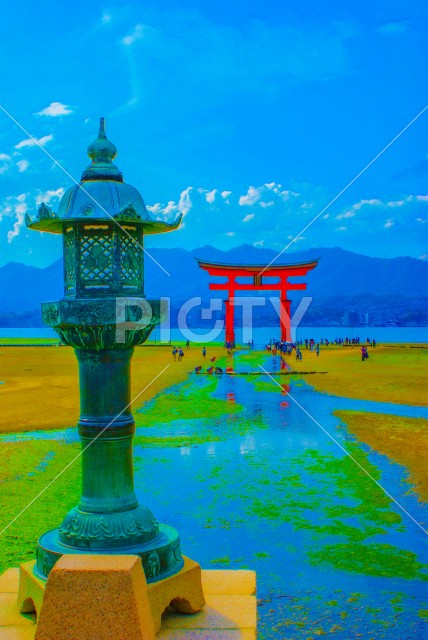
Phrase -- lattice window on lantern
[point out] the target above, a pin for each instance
(130, 261)
(96, 258)
(69, 260)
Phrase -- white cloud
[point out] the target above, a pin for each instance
(17, 208)
(47, 196)
(155, 209)
(185, 202)
(286, 217)
(424, 257)
(284, 194)
(106, 18)
(20, 211)
(263, 195)
(32, 142)
(55, 109)
(347, 214)
(396, 203)
(22, 165)
(373, 202)
(252, 196)
(248, 217)
(249, 224)
(210, 196)
(4, 162)
(172, 209)
(351, 211)
(259, 243)
(136, 34)
(296, 239)
(6, 209)
(225, 195)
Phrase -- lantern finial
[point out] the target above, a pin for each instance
(101, 131)
(102, 152)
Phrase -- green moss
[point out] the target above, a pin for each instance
(402, 439)
(382, 560)
(261, 384)
(423, 613)
(397, 598)
(26, 469)
(223, 560)
(190, 440)
(252, 358)
(317, 487)
(29, 341)
(190, 401)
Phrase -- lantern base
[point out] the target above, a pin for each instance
(161, 557)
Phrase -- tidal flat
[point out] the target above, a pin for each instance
(250, 480)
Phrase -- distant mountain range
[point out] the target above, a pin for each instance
(388, 290)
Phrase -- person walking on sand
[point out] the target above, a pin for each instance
(188, 344)
(317, 349)
(180, 354)
(174, 354)
(204, 353)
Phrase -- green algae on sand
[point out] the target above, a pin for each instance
(320, 483)
(404, 440)
(190, 440)
(189, 401)
(382, 560)
(41, 471)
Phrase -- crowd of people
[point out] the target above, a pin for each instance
(287, 348)
(309, 343)
(282, 348)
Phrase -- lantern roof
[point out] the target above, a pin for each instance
(100, 195)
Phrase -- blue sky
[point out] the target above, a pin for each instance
(247, 118)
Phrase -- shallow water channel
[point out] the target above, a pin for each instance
(333, 553)
(255, 482)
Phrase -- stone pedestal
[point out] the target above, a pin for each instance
(106, 596)
(81, 597)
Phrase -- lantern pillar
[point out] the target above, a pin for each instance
(103, 315)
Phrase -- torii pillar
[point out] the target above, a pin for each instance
(285, 319)
(230, 322)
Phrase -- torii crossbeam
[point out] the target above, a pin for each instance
(257, 273)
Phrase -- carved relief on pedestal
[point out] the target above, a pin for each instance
(138, 525)
(153, 565)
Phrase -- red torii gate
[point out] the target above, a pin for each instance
(257, 272)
